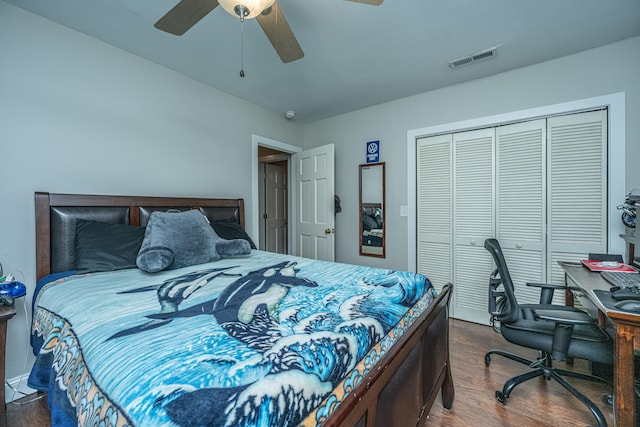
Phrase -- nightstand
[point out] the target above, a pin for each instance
(6, 313)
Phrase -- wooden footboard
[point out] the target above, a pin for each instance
(401, 391)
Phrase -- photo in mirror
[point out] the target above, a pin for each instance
(372, 224)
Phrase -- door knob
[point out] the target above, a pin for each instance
(329, 230)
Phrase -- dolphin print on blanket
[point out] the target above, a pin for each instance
(263, 340)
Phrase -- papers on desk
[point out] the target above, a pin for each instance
(596, 265)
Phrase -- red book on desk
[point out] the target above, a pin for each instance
(597, 265)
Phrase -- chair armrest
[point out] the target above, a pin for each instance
(565, 317)
(550, 286)
(545, 285)
(546, 291)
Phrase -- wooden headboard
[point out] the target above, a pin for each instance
(56, 215)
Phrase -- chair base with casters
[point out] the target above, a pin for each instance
(543, 367)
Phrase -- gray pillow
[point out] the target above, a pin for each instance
(180, 239)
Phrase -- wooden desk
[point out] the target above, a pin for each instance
(6, 313)
(627, 340)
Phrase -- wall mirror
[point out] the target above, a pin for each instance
(372, 230)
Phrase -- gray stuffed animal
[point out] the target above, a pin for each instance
(180, 239)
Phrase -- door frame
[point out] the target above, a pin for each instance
(257, 140)
(615, 103)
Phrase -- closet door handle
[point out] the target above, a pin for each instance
(472, 242)
(519, 245)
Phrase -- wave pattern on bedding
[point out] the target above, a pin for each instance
(72, 376)
(264, 340)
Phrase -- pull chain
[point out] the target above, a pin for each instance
(242, 47)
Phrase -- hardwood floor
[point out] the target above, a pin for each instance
(34, 414)
(535, 403)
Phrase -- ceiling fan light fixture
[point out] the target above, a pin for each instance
(245, 9)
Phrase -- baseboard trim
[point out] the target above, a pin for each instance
(21, 387)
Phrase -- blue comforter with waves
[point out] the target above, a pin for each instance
(261, 340)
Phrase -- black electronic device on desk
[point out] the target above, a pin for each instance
(620, 299)
(620, 279)
(625, 294)
(10, 290)
(630, 305)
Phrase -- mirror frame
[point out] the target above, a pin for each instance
(382, 207)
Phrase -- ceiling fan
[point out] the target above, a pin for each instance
(187, 13)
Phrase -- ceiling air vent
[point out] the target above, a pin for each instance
(476, 57)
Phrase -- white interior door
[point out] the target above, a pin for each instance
(276, 207)
(435, 212)
(521, 204)
(315, 190)
(473, 221)
(577, 188)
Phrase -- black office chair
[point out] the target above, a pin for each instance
(555, 331)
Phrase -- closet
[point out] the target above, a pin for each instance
(538, 186)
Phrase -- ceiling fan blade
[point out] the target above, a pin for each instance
(373, 2)
(279, 33)
(185, 15)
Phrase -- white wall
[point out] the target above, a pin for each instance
(601, 71)
(80, 116)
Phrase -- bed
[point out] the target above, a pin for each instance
(372, 224)
(254, 339)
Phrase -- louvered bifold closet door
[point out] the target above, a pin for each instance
(520, 208)
(473, 222)
(577, 188)
(434, 215)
